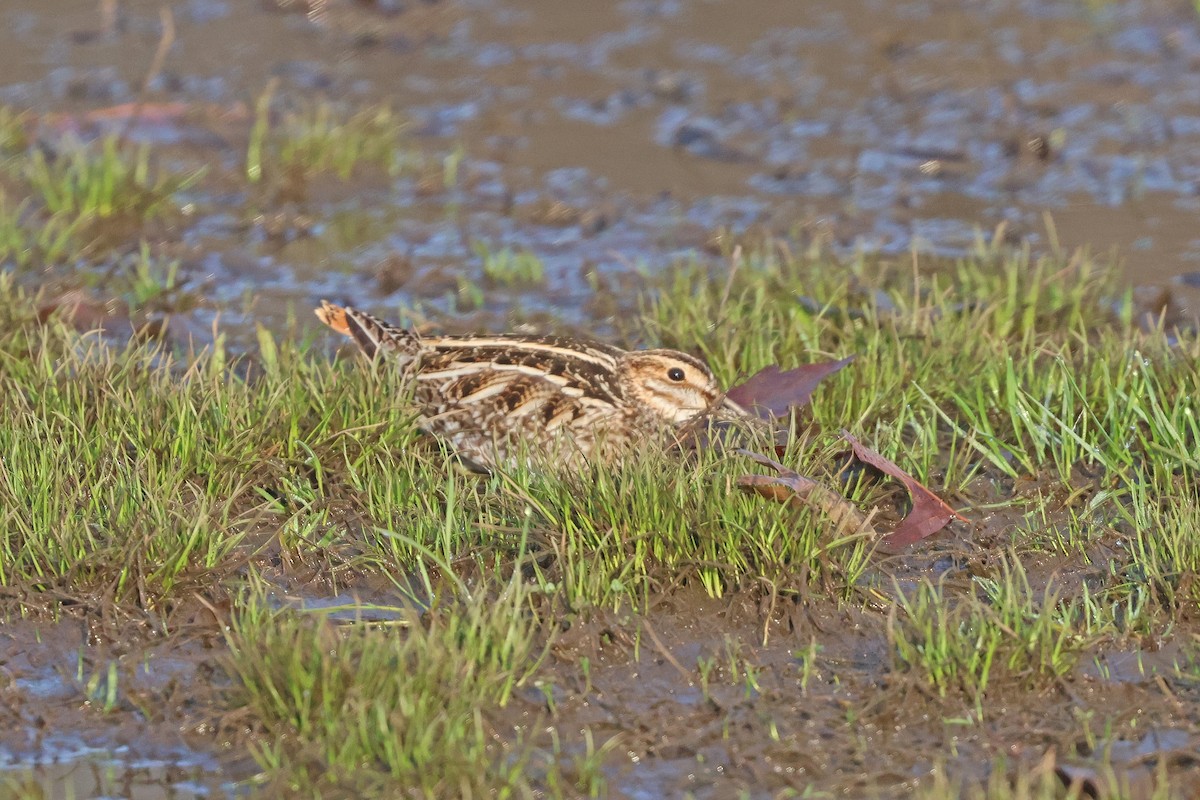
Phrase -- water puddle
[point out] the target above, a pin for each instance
(87, 716)
(66, 767)
(619, 139)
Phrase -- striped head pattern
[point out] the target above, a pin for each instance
(670, 384)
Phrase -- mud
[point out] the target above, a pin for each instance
(634, 134)
(610, 139)
(92, 709)
(755, 693)
(819, 709)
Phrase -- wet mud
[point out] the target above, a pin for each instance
(759, 696)
(94, 709)
(612, 140)
(631, 135)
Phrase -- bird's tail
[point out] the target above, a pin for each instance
(373, 335)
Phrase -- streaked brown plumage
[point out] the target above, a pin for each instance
(501, 399)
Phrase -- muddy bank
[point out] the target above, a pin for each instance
(94, 708)
(627, 136)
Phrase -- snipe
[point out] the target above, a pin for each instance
(500, 399)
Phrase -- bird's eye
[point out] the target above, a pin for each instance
(675, 374)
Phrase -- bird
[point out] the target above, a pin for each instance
(501, 400)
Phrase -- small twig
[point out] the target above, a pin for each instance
(662, 648)
(160, 56)
(164, 46)
(770, 610)
(221, 621)
(735, 264)
(360, 428)
(108, 17)
(1165, 688)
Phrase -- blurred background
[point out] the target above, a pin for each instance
(499, 163)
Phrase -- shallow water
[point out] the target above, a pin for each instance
(86, 716)
(610, 137)
(72, 769)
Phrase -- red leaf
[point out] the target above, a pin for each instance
(771, 392)
(929, 513)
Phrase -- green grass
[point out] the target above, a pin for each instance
(64, 200)
(97, 180)
(13, 131)
(28, 239)
(320, 138)
(142, 476)
(1005, 631)
(510, 268)
(368, 706)
(137, 477)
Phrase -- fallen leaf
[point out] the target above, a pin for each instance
(789, 486)
(90, 123)
(771, 392)
(84, 311)
(168, 122)
(929, 512)
(150, 112)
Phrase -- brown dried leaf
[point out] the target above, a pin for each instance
(167, 121)
(87, 313)
(148, 112)
(929, 513)
(771, 392)
(793, 488)
(164, 118)
(84, 311)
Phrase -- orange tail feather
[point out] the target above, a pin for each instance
(334, 317)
